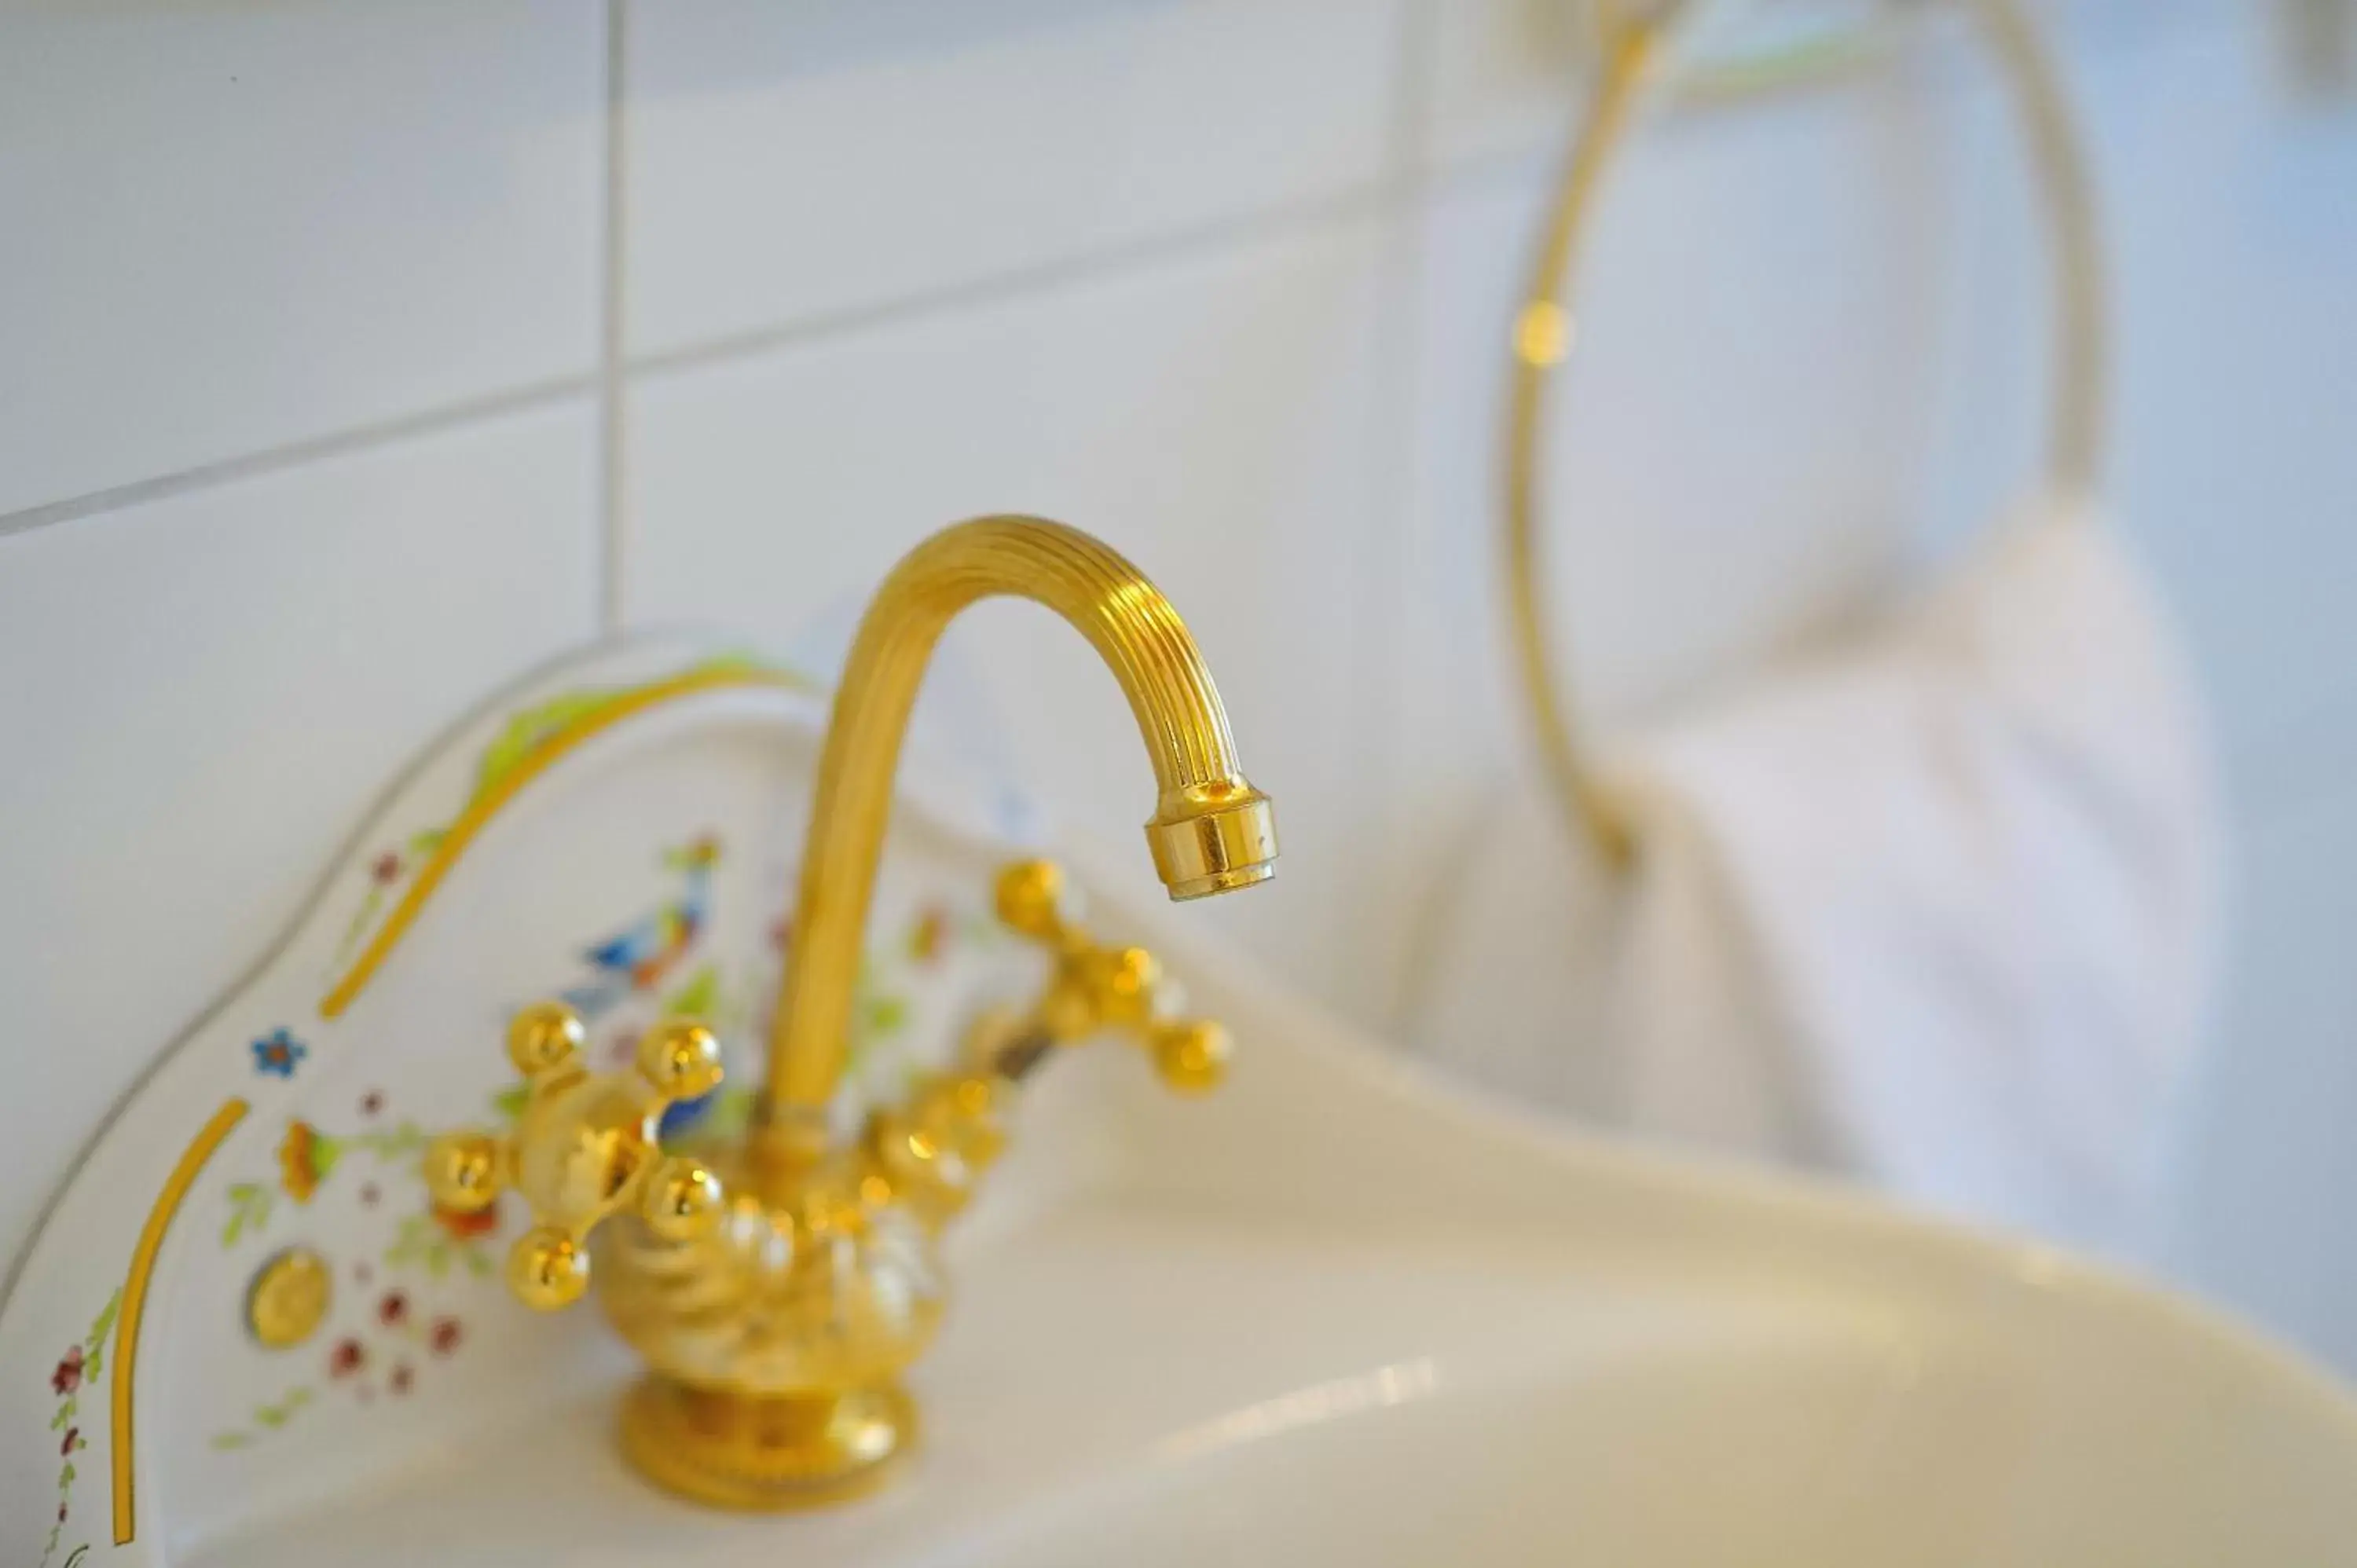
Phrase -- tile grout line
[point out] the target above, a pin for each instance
(1397, 188)
(1375, 197)
(440, 420)
(612, 520)
(609, 383)
(1022, 282)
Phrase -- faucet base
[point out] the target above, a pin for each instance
(766, 1453)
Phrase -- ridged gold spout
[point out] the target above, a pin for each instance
(1211, 830)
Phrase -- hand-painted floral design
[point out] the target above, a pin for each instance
(264, 1419)
(304, 1160)
(443, 1239)
(307, 1158)
(628, 970)
(878, 1064)
(79, 1368)
(929, 937)
(551, 721)
(387, 871)
(640, 957)
(278, 1053)
(249, 1209)
(399, 1341)
(465, 1224)
(412, 1263)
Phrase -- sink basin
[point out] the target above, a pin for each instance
(1209, 1388)
(1337, 1314)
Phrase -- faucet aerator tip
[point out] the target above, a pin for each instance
(1214, 844)
(1220, 881)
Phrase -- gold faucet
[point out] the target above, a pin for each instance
(779, 1291)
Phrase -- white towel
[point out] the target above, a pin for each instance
(1938, 910)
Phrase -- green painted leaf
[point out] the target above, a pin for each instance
(528, 730)
(397, 1144)
(698, 997)
(250, 1204)
(105, 1319)
(887, 1015)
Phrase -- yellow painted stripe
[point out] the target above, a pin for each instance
(491, 801)
(134, 1298)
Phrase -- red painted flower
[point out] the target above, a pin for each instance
(393, 1310)
(306, 1156)
(465, 1227)
(68, 1377)
(928, 938)
(347, 1357)
(387, 869)
(72, 1441)
(445, 1336)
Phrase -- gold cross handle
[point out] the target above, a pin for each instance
(1094, 988)
(585, 1149)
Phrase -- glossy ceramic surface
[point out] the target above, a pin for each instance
(1335, 1313)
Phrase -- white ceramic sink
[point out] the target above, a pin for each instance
(1190, 1388)
(1345, 1318)
(1335, 1314)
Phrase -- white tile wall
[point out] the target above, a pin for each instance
(1496, 75)
(205, 695)
(2239, 367)
(227, 228)
(2272, 1119)
(324, 329)
(807, 158)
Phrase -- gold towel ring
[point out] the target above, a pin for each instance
(1544, 335)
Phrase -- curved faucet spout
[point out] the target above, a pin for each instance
(1211, 830)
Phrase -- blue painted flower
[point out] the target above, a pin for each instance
(278, 1052)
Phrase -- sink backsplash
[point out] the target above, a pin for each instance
(620, 833)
